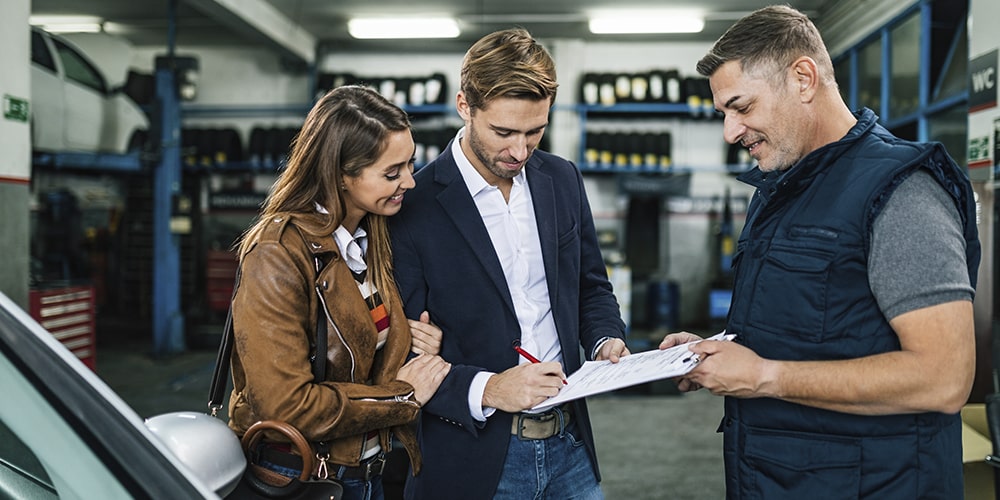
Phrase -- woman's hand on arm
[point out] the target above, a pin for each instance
(425, 373)
(426, 336)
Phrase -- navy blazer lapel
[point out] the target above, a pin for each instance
(543, 198)
(456, 201)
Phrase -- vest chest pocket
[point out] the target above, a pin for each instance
(791, 292)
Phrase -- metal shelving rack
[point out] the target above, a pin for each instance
(656, 110)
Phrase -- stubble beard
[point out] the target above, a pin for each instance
(490, 163)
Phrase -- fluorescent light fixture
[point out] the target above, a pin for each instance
(633, 22)
(403, 27)
(115, 28)
(67, 24)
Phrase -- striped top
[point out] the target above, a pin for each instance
(380, 315)
(353, 248)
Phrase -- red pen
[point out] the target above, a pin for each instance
(528, 356)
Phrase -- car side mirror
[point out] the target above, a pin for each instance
(205, 445)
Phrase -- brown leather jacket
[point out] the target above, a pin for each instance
(275, 316)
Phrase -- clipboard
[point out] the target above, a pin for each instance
(596, 377)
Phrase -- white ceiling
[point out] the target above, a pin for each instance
(321, 24)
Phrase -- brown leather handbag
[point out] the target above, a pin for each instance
(259, 482)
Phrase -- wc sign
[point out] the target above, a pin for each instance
(983, 82)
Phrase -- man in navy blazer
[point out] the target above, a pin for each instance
(497, 243)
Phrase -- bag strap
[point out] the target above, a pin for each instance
(319, 356)
(220, 376)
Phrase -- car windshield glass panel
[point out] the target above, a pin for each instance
(20, 470)
(79, 69)
(40, 54)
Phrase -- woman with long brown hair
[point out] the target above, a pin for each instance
(320, 255)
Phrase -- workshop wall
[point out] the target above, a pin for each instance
(15, 145)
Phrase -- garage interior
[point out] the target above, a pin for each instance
(143, 235)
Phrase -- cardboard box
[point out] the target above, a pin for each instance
(976, 444)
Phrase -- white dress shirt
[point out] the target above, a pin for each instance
(514, 233)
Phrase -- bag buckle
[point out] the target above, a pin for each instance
(322, 472)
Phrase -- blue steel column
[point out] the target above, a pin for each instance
(924, 70)
(168, 319)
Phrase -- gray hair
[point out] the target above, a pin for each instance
(768, 40)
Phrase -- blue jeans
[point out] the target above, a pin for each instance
(554, 468)
(354, 489)
(359, 489)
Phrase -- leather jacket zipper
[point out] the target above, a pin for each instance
(326, 312)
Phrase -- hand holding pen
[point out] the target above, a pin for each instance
(528, 356)
(523, 386)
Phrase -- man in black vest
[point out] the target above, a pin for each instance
(854, 279)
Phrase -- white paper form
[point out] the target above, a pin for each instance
(595, 377)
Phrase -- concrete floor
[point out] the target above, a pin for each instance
(652, 443)
(659, 447)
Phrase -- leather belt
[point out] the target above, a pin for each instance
(541, 425)
(368, 469)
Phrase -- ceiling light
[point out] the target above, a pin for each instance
(624, 22)
(403, 27)
(116, 28)
(67, 24)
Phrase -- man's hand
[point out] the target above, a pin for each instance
(729, 369)
(677, 339)
(426, 335)
(523, 386)
(613, 349)
(684, 384)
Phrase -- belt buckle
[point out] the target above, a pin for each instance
(374, 467)
(540, 418)
(520, 427)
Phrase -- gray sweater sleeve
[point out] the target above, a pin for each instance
(917, 256)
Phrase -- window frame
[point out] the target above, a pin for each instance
(926, 108)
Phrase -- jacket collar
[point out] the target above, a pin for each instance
(310, 226)
(802, 173)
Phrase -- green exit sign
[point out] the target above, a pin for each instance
(979, 148)
(15, 108)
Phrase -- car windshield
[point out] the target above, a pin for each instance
(79, 69)
(40, 54)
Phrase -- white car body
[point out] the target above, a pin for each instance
(73, 108)
(64, 433)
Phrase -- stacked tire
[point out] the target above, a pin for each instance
(403, 91)
(210, 148)
(640, 151)
(269, 147)
(650, 87)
